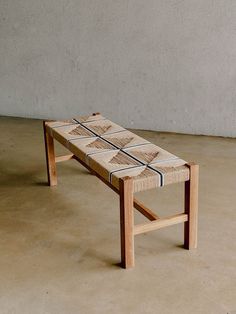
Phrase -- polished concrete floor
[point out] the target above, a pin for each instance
(59, 247)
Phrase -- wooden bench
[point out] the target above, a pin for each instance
(128, 164)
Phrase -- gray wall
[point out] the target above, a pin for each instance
(150, 64)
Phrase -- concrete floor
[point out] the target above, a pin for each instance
(59, 247)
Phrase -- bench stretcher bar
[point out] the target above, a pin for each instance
(156, 221)
(160, 223)
(63, 158)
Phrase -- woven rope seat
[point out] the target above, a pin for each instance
(113, 152)
(127, 163)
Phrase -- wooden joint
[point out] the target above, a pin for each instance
(45, 122)
(191, 163)
(160, 223)
(126, 178)
(148, 213)
(64, 158)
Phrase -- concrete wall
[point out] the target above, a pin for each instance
(149, 64)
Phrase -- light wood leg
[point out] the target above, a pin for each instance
(191, 208)
(127, 222)
(50, 157)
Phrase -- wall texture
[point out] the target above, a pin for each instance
(150, 64)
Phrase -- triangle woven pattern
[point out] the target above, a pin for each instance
(145, 174)
(113, 152)
(84, 118)
(122, 159)
(69, 121)
(145, 156)
(121, 142)
(100, 129)
(98, 144)
(79, 131)
(170, 169)
(89, 118)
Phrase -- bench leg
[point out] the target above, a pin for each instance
(191, 208)
(50, 157)
(127, 222)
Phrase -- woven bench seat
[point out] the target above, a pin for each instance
(127, 163)
(113, 153)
